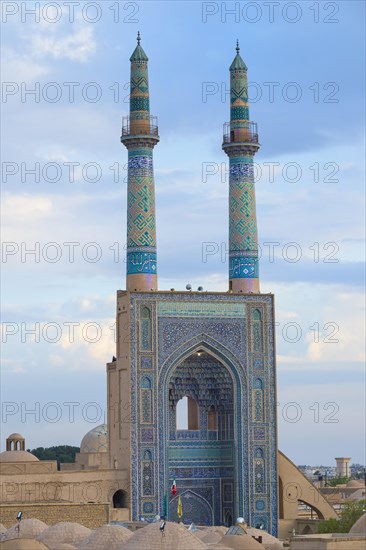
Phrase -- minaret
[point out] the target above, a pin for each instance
(140, 135)
(240, 144)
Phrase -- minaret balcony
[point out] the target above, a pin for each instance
(132, 127)
(240, 132)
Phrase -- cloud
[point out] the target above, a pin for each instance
(20, 67)
(78, 46)
(91, 345)
(26, 208)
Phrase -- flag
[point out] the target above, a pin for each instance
(174, 488)
(180, 508)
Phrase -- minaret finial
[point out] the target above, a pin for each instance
(237, 46)
(138, 38)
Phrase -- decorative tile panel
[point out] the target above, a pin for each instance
(175, 340)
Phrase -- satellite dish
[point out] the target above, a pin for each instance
(200, 288)
(188, 287)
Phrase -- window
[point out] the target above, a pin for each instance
(120, 499)
(187, 414)
(212, 418)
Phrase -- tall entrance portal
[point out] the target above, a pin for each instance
(202, 439)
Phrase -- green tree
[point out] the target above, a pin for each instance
(328, 526)
(339, 480)
(351, 511)
(61, 453)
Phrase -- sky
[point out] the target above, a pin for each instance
(65, 73)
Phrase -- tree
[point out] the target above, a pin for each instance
(351, 512)
(339, 480)
(328, 526)
(61, 453)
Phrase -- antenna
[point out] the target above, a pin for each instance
(188, 287)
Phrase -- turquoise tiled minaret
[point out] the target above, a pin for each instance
(140, 135)
(241, 144)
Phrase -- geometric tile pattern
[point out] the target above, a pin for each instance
(243, 238)
(140, 202)
(225, 376)
(141, 230)
(243, 267)
(95, 441)
(259, 481)
(242, 222)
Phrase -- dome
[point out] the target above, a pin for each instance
(267, 540)
(175, 536)
(15, 436)
(28, 529)
(22, 544)
(275, 546)
(107, 536)
(359, 528)
(95, 441)
(212, 537)
(212, 534)
(17, 456)
(354, 483)
(240, 542)
(64, 532)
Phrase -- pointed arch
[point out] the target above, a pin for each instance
(145, 328)
(257, 330)
(210, 346)
(147, 455)
(196, 508)
(146, 382)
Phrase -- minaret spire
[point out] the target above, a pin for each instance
(140, 135)
(240, 144)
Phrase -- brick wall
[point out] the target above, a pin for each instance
(89, 515)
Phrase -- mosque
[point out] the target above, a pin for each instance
(213, 351)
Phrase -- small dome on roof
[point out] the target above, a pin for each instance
(108, 536)
(15, 435)
(17, 456)
(354, 483)
(275, 546)
(268, 540)
(359, 528)
(211, 537)
(64, 532)
(175, 536)
(95, 441)
(28, 529)
(241, 542)
(22, 544)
